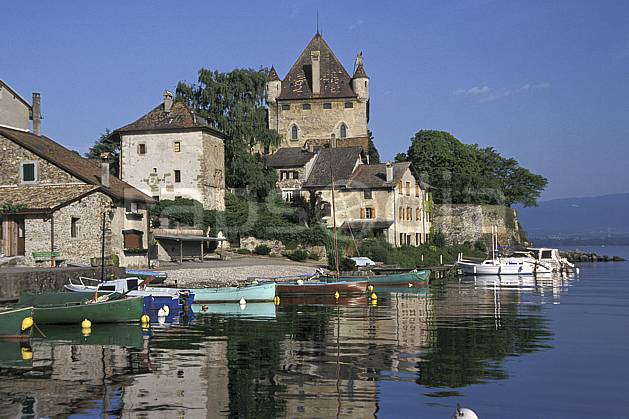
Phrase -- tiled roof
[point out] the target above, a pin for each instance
(290, 157)
(335, 81)
(44, 197)
(375, 175)
(337, 162)
(87, 170)
(273, 75)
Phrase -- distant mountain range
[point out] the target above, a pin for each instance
(596, 220)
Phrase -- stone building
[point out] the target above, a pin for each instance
(53, 201)
(318, 99)
(172, 152)
(293, 165)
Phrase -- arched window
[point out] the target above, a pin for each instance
(294, 133)
(343, 131)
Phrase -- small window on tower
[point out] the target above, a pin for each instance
(285, 107)
(141, 148)
(177, 146)
(349, 105)
(343, 131)
(327, 105)
(177, 176)
(74, 227)
(306, 106)
(294, 133)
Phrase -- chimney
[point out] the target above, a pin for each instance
(104, 175)
(389, 168)
(333, 141)
(316, 73)
(168, 101)
(36, 113)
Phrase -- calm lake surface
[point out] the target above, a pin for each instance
(554, 348)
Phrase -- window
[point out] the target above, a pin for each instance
(402, 238)
(74, 227)
(177, 176)
(367, 194)
(349, 105)
(417, 239)
(408, 188)
(370, 213)
(295, 175)
(343, 131)
(327, 105)
(306, 106)
(401, 188)
(156, 198)
(294, 133)
(418, 214)
(133, 239)
(409, 214)
(141, 148)
(288, 196)
(131, 207)
(285, 107)
(28, 172)
(417, 193)
(401, 216)
(177, 146)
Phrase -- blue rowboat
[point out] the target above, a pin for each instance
(251, 293)
(412, 277)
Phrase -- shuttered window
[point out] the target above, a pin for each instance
(132, 239)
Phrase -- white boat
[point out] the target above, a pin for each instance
(551, 258)
(497, 266)
(131, 286)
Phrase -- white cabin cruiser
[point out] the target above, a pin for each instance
(551, 258)
(498, 266)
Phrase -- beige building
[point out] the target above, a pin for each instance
(16, 112)
(53, 201)
(318, 99)
(172, 152)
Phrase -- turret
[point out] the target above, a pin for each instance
(360, 80)
(273, 86)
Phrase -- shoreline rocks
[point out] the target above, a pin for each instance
(579, 256)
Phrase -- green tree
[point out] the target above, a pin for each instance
(233, 102)
(372, 151)
(103, 145)
(466, 173)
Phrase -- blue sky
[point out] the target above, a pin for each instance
(544, 82)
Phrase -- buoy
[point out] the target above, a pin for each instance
(242, 301)
(276, 300)
(370, 288)
(410, 285)
(300, 282)
(373, 296)
(166, 309)
(464, 413)
(86, 331)
(374, 302)
(161, 320)
(26, 354)
(27, 323)
(161, 312)
(144, 319)
(337, 295)
(86, 324)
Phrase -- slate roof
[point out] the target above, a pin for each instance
(43, 198)
(86, 170)
(273, 75)
(375, 175)
(180, 117)
(335, 81)
(290, 157)
(360, 72)
(339, 162)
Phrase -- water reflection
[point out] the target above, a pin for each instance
(324, 359)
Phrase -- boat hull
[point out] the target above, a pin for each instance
(322, 288)
(413, 277)
(11, 323)
(486, 269)
(263, 292)
(118, 311)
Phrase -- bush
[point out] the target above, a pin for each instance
(262, 249)
(480, 245)
(347, 265)
(376, 250)
(298, 255)
(243, 251)
(438, 239)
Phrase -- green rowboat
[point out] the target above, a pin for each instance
(118, 311)
(52, 299)
(12, 322)
(412, 277)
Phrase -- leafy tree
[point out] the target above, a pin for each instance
(233, 102)
(372, 151)
(466, 173)
(102, 145)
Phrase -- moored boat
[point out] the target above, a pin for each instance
(124, 310)
(252, 310)
(156, 277)
(260, 292)
(16, 323)
(417, 277)
(322, 288)
(497, 267)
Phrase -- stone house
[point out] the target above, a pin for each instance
(54, 200)
(318, 100)
(293, 165)
(172, 152)
(16, 112)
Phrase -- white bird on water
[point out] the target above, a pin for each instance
(464, 413)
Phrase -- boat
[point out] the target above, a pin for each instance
(28, 299)
(415, 277)
(124, 310)
(497, 266)
(16, 354)
(16, 323)
(322, 288)
(553, 259)
(122, 334)
(324, 300)
(156, 277)
(255, 292)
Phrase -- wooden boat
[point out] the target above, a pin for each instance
(251, 293)
(125, 310)
(15, 323)
(321, 288)
(416, 277)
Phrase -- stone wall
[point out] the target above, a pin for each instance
(461, 223)
(15, 281)
(212, 178)
(279, 249)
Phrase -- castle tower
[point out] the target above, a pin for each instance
(318, 99)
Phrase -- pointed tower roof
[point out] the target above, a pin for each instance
(335, 81)
(273, 75)
(360, 73)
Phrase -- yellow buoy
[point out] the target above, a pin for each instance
(276, 300)
(370, 288)
(374, 302)
(373, 296)
(27, 323)
(337, 295)
(86, 324)
(86, 331)
(26, 354)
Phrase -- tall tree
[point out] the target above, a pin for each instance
(233, 102)
(102, 145)
(466, 173)
(372, 152)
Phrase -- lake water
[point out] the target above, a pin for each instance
(556, 348)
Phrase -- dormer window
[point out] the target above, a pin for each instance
(28, 172)
(294, 133)
(343, 131)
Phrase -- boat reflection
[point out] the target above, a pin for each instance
(253, 310)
